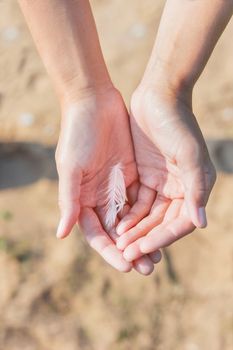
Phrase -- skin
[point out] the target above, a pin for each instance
(95, 129)
(168, 201)
(171, 154)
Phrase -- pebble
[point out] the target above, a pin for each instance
(138, 30)
(26, 119)
(10, 34)
(227, 113)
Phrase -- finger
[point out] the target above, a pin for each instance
(156, 256)
(145, 225)
(168, 233)
(133, 251)
(69, 193)
(139, 210)
(173, 210)
(143, 265)
(123, 212)
(194, 162)
(195, 197)
(164, 234)
(99, 240)
(101, 212)
(132, 192)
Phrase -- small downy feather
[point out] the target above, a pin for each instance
(116, 195)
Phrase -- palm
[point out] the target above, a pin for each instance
(156, 159)
(95, 136)
(160, 132)
(98, 137)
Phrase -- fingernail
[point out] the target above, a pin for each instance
(60, 229)
(126, 267)
(119, 245)
(156, 256)
(120, 228)
(129, 255)
(143, 246)
(202, 217)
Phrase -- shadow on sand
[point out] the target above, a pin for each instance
(24, 163)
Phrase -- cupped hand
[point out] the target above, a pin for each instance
(95, 135)
(176, 174)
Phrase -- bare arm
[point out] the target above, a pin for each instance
(164, 126)
(92, 109)
(187, 35)
(67, 40)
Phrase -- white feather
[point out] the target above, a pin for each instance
(116, 195)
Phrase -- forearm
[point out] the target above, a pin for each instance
(187, 35)
(65, 34)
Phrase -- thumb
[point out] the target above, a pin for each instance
(195, 196)
(69, 203)
(192, 167)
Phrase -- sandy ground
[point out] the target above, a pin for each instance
(57, 295)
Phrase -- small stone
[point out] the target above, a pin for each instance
(227, 113)
(26, 119)
(138, 30)
(10, 33)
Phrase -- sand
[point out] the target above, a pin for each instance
(57, 295)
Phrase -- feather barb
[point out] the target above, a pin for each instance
(116, 195)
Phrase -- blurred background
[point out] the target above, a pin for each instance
(57, 295)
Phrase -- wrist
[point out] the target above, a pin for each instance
(162, 79)
(101, 98)
(160, 96)
(164, 91)
(74, 90)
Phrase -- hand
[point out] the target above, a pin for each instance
(95, 135)
(175, 171)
